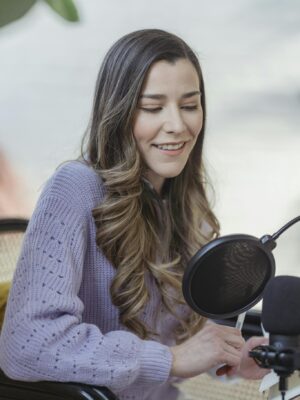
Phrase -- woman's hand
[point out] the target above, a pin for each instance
(212, 346)
(248, 369)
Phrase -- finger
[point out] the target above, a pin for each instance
(232, 351)
(233, 336)
(224, 328)
(256, 341)
(232, 358)
(224, 331)
(223, 370)
(231, 330)
(235, 341)
(231, 371)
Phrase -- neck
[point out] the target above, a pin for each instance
(156, 183)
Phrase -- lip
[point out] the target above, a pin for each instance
(172, 152)
(166, 143)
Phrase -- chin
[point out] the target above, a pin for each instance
(171, 174)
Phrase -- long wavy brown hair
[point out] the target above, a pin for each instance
(143, 235)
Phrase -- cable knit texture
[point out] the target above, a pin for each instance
(60, 323)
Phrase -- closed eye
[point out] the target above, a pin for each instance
(153, 110)
(190, 108)
(157, 109)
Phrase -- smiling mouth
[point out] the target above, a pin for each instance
(170, 147)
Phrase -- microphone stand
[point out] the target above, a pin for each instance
(282, 360)
(281, 356)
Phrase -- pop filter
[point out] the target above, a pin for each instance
(228, 275)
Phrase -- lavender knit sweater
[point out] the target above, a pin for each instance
(60, 323)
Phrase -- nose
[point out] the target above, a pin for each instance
(174, 122)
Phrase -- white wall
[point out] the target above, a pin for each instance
(250, 54)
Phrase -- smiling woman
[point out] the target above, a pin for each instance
(96, 296)
(168, 119)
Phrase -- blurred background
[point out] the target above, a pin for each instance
(250, 54)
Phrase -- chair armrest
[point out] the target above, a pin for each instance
(11, 389)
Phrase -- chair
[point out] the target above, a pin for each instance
(11, 236)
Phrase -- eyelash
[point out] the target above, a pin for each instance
(154, 110)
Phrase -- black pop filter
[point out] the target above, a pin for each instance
(227, 276)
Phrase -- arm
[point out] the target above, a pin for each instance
(44, 337)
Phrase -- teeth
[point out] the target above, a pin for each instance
(170, 146)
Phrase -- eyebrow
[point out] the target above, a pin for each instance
(163, 96)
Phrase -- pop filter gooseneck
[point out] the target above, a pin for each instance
(228, 275)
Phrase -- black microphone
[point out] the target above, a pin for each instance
(281, 306)
(281, 319)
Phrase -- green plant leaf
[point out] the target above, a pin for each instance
(11, 10)
(65, 8)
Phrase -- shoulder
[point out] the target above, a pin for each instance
(78, 173)
(75, 182)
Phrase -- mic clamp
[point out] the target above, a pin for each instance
(282, 356)
(283, 361)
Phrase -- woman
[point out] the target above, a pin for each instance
(96, 296)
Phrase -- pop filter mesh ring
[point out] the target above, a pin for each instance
(263, 271)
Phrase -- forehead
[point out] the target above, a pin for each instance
(165, 77)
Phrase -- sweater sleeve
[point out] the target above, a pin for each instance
(43, 336)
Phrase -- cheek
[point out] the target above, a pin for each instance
(195, 128)
(143, 130)
(199, 124)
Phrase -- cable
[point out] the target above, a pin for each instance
(283, 386)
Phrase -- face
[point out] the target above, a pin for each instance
(168, 119)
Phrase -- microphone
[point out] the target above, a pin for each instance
(281, 306)
(281, 318)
